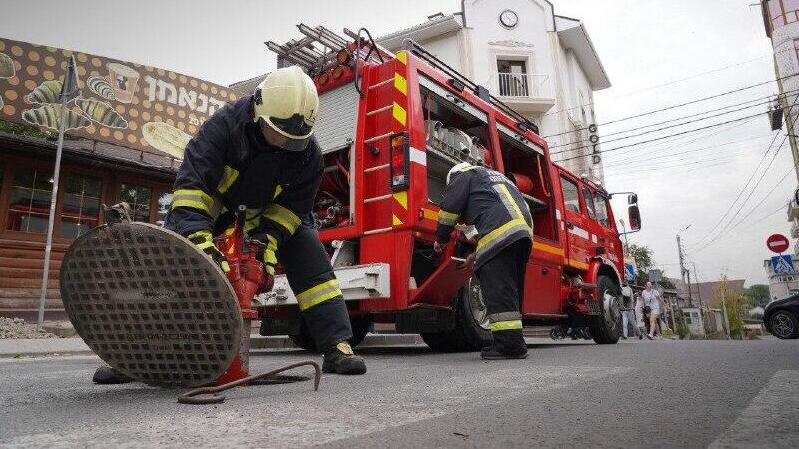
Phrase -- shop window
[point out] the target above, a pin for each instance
(164, 205)
(139, 198)
(80, 210)
(29, 209)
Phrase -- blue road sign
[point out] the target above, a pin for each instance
(782, 264)
(629, 271)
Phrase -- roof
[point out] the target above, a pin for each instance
(574, 36)
(706, 291)
(247, 87)
(423, 31)
(96, 152)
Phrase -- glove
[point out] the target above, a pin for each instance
(267, 252)
(205, 241)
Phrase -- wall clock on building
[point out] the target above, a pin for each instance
(508, 18)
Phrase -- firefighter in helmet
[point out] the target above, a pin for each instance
(261, 152)
(490, 202)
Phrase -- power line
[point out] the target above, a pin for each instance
(727, 226)
(768, 99)
(659, 129)
(663, 137)
(683, 164)
(699, 100)
(740, 193)
(614, 163)
(743, 189)
(776, 186)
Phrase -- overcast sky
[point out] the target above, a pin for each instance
(657, 53)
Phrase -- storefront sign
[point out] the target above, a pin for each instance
(122, 103)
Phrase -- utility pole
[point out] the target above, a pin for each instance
(724, 307)
(683, 270)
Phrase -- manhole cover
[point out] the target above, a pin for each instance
(151, 304)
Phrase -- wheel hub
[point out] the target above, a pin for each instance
(783, 326)
(610, 309)
(476, 303)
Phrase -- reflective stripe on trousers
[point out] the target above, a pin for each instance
(318, 294)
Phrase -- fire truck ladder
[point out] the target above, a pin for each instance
(316, 52)
(480, 91)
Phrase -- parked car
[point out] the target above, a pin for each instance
(781, 317)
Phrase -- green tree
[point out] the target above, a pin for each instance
(757, 295)
(734, 303)
(642, 255)
(667, 284)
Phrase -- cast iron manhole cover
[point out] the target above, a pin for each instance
(151, 304)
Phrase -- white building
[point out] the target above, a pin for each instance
(781, 19)
(781, 285)
(542, 65)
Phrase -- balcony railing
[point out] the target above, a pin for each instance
(525, 85)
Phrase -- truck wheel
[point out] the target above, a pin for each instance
(603, 327)
(471, 331)
(360, 327)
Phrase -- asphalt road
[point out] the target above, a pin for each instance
(691, 394)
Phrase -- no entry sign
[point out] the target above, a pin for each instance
(778, 243)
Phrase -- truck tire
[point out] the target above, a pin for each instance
(471, 331)
(360, 327)
(604, 326)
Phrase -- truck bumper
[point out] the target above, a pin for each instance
(358, 282)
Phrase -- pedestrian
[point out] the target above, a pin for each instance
(260, 152)
(628, 318)
(641, 323)
(652, 307)
(488, 200)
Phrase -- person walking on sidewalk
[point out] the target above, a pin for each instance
(652, 307)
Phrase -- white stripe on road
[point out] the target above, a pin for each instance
(770, 419)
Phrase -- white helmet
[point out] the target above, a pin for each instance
(286, 104)
(457, 168)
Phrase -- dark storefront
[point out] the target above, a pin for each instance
(125, 136)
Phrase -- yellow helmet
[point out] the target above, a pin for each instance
(287, 102)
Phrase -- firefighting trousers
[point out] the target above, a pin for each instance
(502, 284)
(313, 282)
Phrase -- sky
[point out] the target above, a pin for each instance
(657, 53)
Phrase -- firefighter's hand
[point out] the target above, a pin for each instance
(267, 253)
(205, 241)
(467, 264)
(437, 247)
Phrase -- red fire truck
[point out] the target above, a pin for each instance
(391, 126)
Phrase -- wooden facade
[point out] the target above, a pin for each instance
(88, 180)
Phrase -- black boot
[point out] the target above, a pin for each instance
(105, 375)
(507, 345)
(341, 360)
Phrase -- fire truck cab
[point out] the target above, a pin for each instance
(391, 126)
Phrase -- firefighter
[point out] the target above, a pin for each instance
(261, 152)
(490, 202)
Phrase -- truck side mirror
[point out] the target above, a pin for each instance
(632, 198)
(635, 217)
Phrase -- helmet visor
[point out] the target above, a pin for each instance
(277, 139)
(293, 126)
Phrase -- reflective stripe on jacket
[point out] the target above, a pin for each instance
(491, 202)
(229, 163)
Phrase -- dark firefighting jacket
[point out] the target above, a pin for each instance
(229, 163)
(488, 200)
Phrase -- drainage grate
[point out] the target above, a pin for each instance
(151, 304)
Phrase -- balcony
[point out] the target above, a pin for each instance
(793, 210)
(524, 92)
